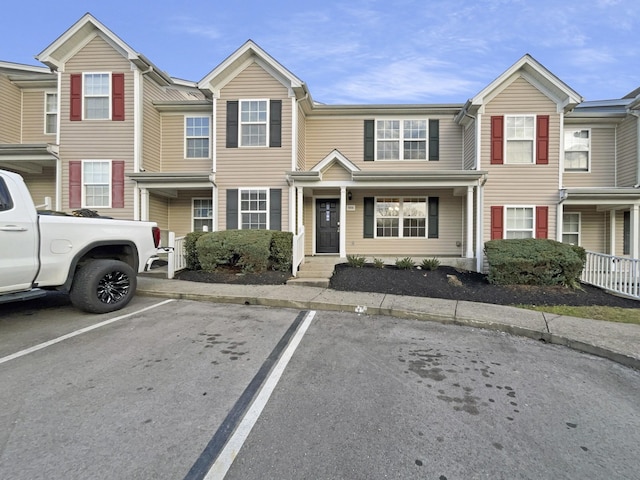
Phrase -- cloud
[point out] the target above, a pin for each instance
(194, 27)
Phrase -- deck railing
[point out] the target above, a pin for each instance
(176, 258)
(617, 274)
(298, 251)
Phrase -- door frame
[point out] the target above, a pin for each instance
(315, 226)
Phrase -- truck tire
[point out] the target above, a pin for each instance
(103, 286)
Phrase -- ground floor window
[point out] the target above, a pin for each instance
(571, 228)
(401, 217)
(520, 222)
(254, 209)
(202, 214)
(96, 182)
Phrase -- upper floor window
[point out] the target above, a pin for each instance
(577, 147)
(50, 113)
(253, 123)
(254, 209)
(520, 222)
(520, 136)
(96, 96)
(96, 183)
(197, 137)
(202, 214)
(401, 139)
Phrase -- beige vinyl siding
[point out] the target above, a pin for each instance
(594, 227)
(336, 173)
(159, 211)
(325, 133)
(152, 131)
(41, 185)
(173, 146)
(97, 139)
(527, 185)
(627, 171)
(10, 118)
(469, 140)
(602, 162)
(33, 103)
(181, 211)
(302, 140)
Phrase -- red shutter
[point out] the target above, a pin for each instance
(542, 222)
(117, 96)
(117, 184)
(497, 224)
(75, 184)
(542, 140)
(497, 140)
(76, 97)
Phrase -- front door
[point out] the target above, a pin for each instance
(327, 225)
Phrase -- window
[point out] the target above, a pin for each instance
(520, 136)
(202, 214)
(577, 145)
(401, 139)
(96, 96)
(571, 228)
(50, 113)
(96, 183)
(197, 137)
(520, 222)
(253, 123)
(254, 209)
(401, 217)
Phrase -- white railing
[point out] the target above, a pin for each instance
(176, 258)
(618, 274)
(298, 251)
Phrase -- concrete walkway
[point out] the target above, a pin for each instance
(619, 342)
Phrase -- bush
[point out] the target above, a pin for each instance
(405, 264)
(281, 251)
(534, 262)
(430, 263)
(190, 251)
(378, 263)
(356, 261)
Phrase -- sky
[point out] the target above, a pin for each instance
(362, 51)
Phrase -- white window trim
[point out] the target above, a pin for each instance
(401, 217)
(506, 139)
(533, 227)
(83, 184)
(267, 122)
(110, 95)
(564, 151)
(186, 137)
(400, 140)
(47, 113)
(194, 218)
(579, 226)
(240, 211)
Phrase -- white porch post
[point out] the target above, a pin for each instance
(469, 241)
(214, 208)
(144, 204)
(343, 223)
(559, 221)
(612, 232)
(300, 205)
(634, 237)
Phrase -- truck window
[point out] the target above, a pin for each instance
(5, 198)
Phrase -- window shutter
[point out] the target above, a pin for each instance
(369, 216)
(232, 208)
(434, 141)
(542, 222)
(542, 139)
(626, 232)
(369, 140)
(497, 224)
(434, 204)
(497, 140)
(76, 98)
(117, 96)
(275, 123)
(117, 184)
(232, 124)
(275, 209)
(75, 184)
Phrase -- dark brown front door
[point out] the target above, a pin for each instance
(327, 225)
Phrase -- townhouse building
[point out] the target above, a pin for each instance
(100, 126)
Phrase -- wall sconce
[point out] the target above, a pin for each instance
(349, 196)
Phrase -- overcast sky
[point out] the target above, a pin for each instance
(362, 51)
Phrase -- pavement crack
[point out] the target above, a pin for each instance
(546, 322)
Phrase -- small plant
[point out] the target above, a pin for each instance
(405, 264)
(430, 263)
(356, 261)
(378, 263)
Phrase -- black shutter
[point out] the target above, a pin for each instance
(275, 209)
(232, 209)
(232, 124)
(626, 232)
(434, 140)
(369, 140)
(433, 217)
(369, 216)
(275, 124)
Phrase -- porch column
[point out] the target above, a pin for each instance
(469, 241)
(300, 206)
(634, 237)
(144, 204)
(214, 208)
(343, 223)
(612, 232)
(559, 221)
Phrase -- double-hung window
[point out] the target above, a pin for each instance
(202, 214)
(571, 228)
(197, 137)
(520, 222)
(96, 183)
(254, 208)
(577, 147)
(401, 217)
(520, 139)
(50, 113)
(254, 115)
(401, 139)
(96, 96)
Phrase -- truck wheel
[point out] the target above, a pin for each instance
(103, 286)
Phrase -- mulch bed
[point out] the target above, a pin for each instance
(235, 276)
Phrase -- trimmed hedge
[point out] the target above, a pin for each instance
(190, 251)
(532, 261)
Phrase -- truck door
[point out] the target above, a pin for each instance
(18, 237)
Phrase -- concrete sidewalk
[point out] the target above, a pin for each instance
(619, 342)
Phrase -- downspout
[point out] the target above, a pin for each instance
(58, 160)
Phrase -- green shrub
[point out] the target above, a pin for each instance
(356, 261)
(534, 262)
(247, 249)
(378, 263)
(430, 263)
(406, 263)
(190, 252)
(281, 251)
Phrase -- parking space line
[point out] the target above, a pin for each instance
(219, 454)
(40, 346)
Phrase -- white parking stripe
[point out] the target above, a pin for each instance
(40, 346)
(222, 464)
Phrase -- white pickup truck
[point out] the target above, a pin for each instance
(95, 260)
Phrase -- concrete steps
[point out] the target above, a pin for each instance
(315, 271)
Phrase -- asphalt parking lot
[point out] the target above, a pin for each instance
(180, 389)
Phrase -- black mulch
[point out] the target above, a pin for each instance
(222, 275)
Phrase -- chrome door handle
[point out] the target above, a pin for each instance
(13, 228)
